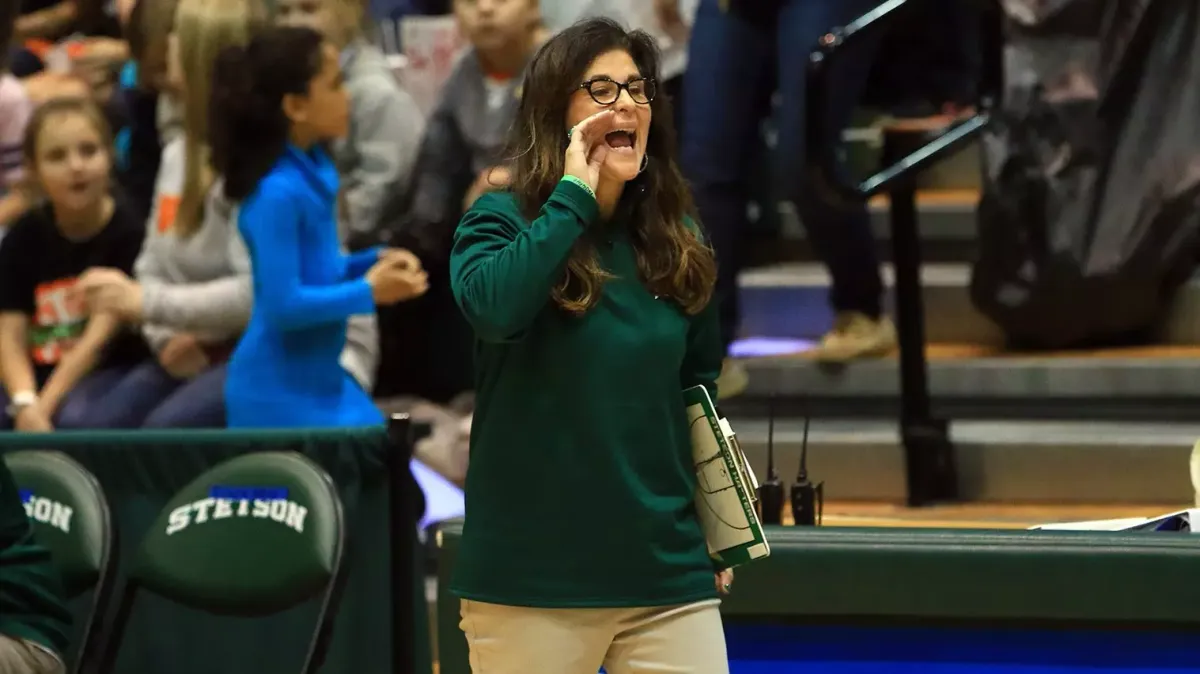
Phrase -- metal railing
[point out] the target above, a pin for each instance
(929, 455)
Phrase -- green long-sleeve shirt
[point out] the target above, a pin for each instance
(31, 607)
(581, 484)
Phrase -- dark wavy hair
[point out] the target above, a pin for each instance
(247, 127)
(672, 259)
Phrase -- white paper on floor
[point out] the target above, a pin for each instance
(1180, 521)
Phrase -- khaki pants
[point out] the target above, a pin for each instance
(21, 657)
(684, 639)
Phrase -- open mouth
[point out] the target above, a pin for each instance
(621, 140)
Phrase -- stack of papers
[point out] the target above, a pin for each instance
(1177, 521)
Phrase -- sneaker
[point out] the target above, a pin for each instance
(856, 335)
(733, 379)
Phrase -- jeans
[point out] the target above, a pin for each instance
(726, 93)
(77, 409)
(149, 397)
(23, 63)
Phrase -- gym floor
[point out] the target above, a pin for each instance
(978, 515)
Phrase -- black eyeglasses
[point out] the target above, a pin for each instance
(605, 91)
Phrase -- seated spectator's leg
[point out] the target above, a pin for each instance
(840, 233)
(199, 403)
(959, 79)
(99, 401)
(23, 63)
(18, 656)
(725, 94)
(46, 86)
(130, 400)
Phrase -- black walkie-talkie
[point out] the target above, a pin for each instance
(808, 500)
(770, 492)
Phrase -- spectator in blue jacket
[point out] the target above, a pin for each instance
(275, 102)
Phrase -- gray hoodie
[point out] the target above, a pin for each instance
(465, 136)
(377, 158)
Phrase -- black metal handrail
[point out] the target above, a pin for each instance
(929, 454)
(821, 141)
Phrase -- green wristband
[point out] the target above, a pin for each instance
(576, 181)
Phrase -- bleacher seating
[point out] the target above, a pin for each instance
(1111, 425)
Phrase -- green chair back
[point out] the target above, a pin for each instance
(253, 536)
(71, 518)
(69, 513)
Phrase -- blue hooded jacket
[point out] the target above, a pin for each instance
(285, 372)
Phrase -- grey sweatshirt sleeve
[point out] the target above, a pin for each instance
(157, 336)
(387, 137)
(214, 306)
(221, 305)
(149, 271)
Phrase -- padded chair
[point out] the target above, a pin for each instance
(253, 536)
(70, 516)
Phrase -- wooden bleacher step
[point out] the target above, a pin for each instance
(791, 300)
(1009, 462)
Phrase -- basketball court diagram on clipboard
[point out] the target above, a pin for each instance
(714, 482)
(722, 491)
(725, 485)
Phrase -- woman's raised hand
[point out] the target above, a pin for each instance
(588, 149)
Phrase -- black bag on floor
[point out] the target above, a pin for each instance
(1090, 212)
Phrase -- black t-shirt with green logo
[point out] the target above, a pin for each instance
(38, 269)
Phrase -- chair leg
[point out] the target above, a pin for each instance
(90, 642)
(326, 619)
(111, 641)
(86, 660)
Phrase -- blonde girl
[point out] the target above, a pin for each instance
(192, 289)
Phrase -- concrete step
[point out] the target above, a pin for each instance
(944, 215)
(791, 300)
(1150, 384)
(1006, 461)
